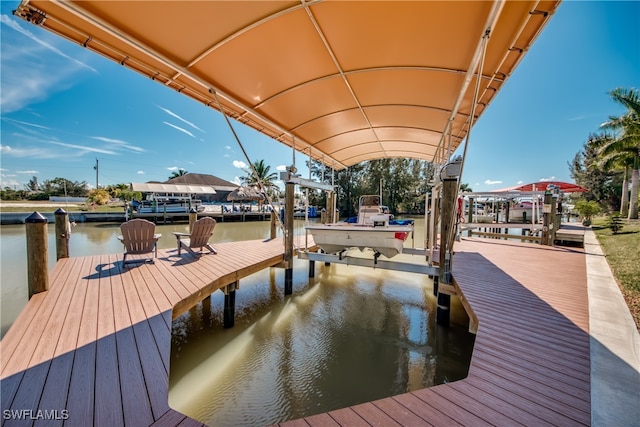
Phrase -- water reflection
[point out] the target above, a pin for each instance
(348, 336)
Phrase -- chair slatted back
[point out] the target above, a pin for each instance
(202, 231)
(138, 236)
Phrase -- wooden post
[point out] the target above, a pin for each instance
(449, 195)
(37, 254)
(229, 313)
(193, 217)
(63, 233)
(273, 224)
(554, 224)
(288, 240)
(312, 268)
(546, 218)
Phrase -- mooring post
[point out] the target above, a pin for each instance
(546, 218)
(449, 196)
(37, 253)
(63, 233)
(229, 313)
(312, 268)
(288, 241)
(193, 217)
(273, 224)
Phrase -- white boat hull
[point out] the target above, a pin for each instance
(337, 237)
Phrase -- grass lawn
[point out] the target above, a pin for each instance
(623, 254)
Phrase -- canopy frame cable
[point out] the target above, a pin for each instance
(246, 156)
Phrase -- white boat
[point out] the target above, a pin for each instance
(373, 228)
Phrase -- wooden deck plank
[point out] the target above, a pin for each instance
(348, 417)
(135, 400)
(432, 416)
(30, 337)
(321, 420)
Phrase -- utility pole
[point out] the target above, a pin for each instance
(96, 169)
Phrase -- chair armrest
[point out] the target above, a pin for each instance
(157, 236)
(121, 238)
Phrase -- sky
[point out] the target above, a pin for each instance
(63, 108)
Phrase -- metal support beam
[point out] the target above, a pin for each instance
(369, 262)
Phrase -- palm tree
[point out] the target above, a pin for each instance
(610, 158)
(179, 172)
(262, 176)
(626, 142)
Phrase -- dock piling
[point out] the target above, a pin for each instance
(37, 253)
(229, 314)
(193, 217)
(63, 233)
(288, 241)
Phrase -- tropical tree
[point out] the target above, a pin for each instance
(625, 143)
(177, 173)
(263, 178)
(612, 159)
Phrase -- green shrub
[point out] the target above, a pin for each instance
(614, 223)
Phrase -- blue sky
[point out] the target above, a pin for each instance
(63, 107)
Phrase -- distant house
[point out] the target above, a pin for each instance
(222, 187)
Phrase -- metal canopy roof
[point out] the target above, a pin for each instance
(157, 187)
(342, 81)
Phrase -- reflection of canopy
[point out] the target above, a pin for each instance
(244, 194)
(565, 187)
(346, 81)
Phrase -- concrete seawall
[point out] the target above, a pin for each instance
(19, 217)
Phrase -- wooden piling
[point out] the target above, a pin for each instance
(447, 216)
(288, 240)
(312, 268)
(546, 218)
(193, 217)
(229, 313)
(273, 224)
(37, 254)
(63, 233)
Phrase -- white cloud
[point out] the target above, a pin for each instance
(551, 178)
(26, 123)
(239, 164)
(172, 114)
(29, 72)
(227, 155)
(28, 172)
(281, 168)
(119, 144)
(237, 180)
(519, 182)
(227, 147)
(14, 25)
(492, 182)
(180, 129)
(172, 168)
(140, 172)
(83, 148)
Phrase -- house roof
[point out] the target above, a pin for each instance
(341, 81)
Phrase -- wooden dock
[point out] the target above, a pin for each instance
(570, 233)
(531, 359)
(97, 344)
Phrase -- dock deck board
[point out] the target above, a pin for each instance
(98, 342)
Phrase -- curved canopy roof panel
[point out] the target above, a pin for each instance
(343, 81)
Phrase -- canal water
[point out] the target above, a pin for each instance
(347, 336)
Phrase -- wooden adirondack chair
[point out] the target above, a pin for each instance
(198, 238)
(138, 237)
